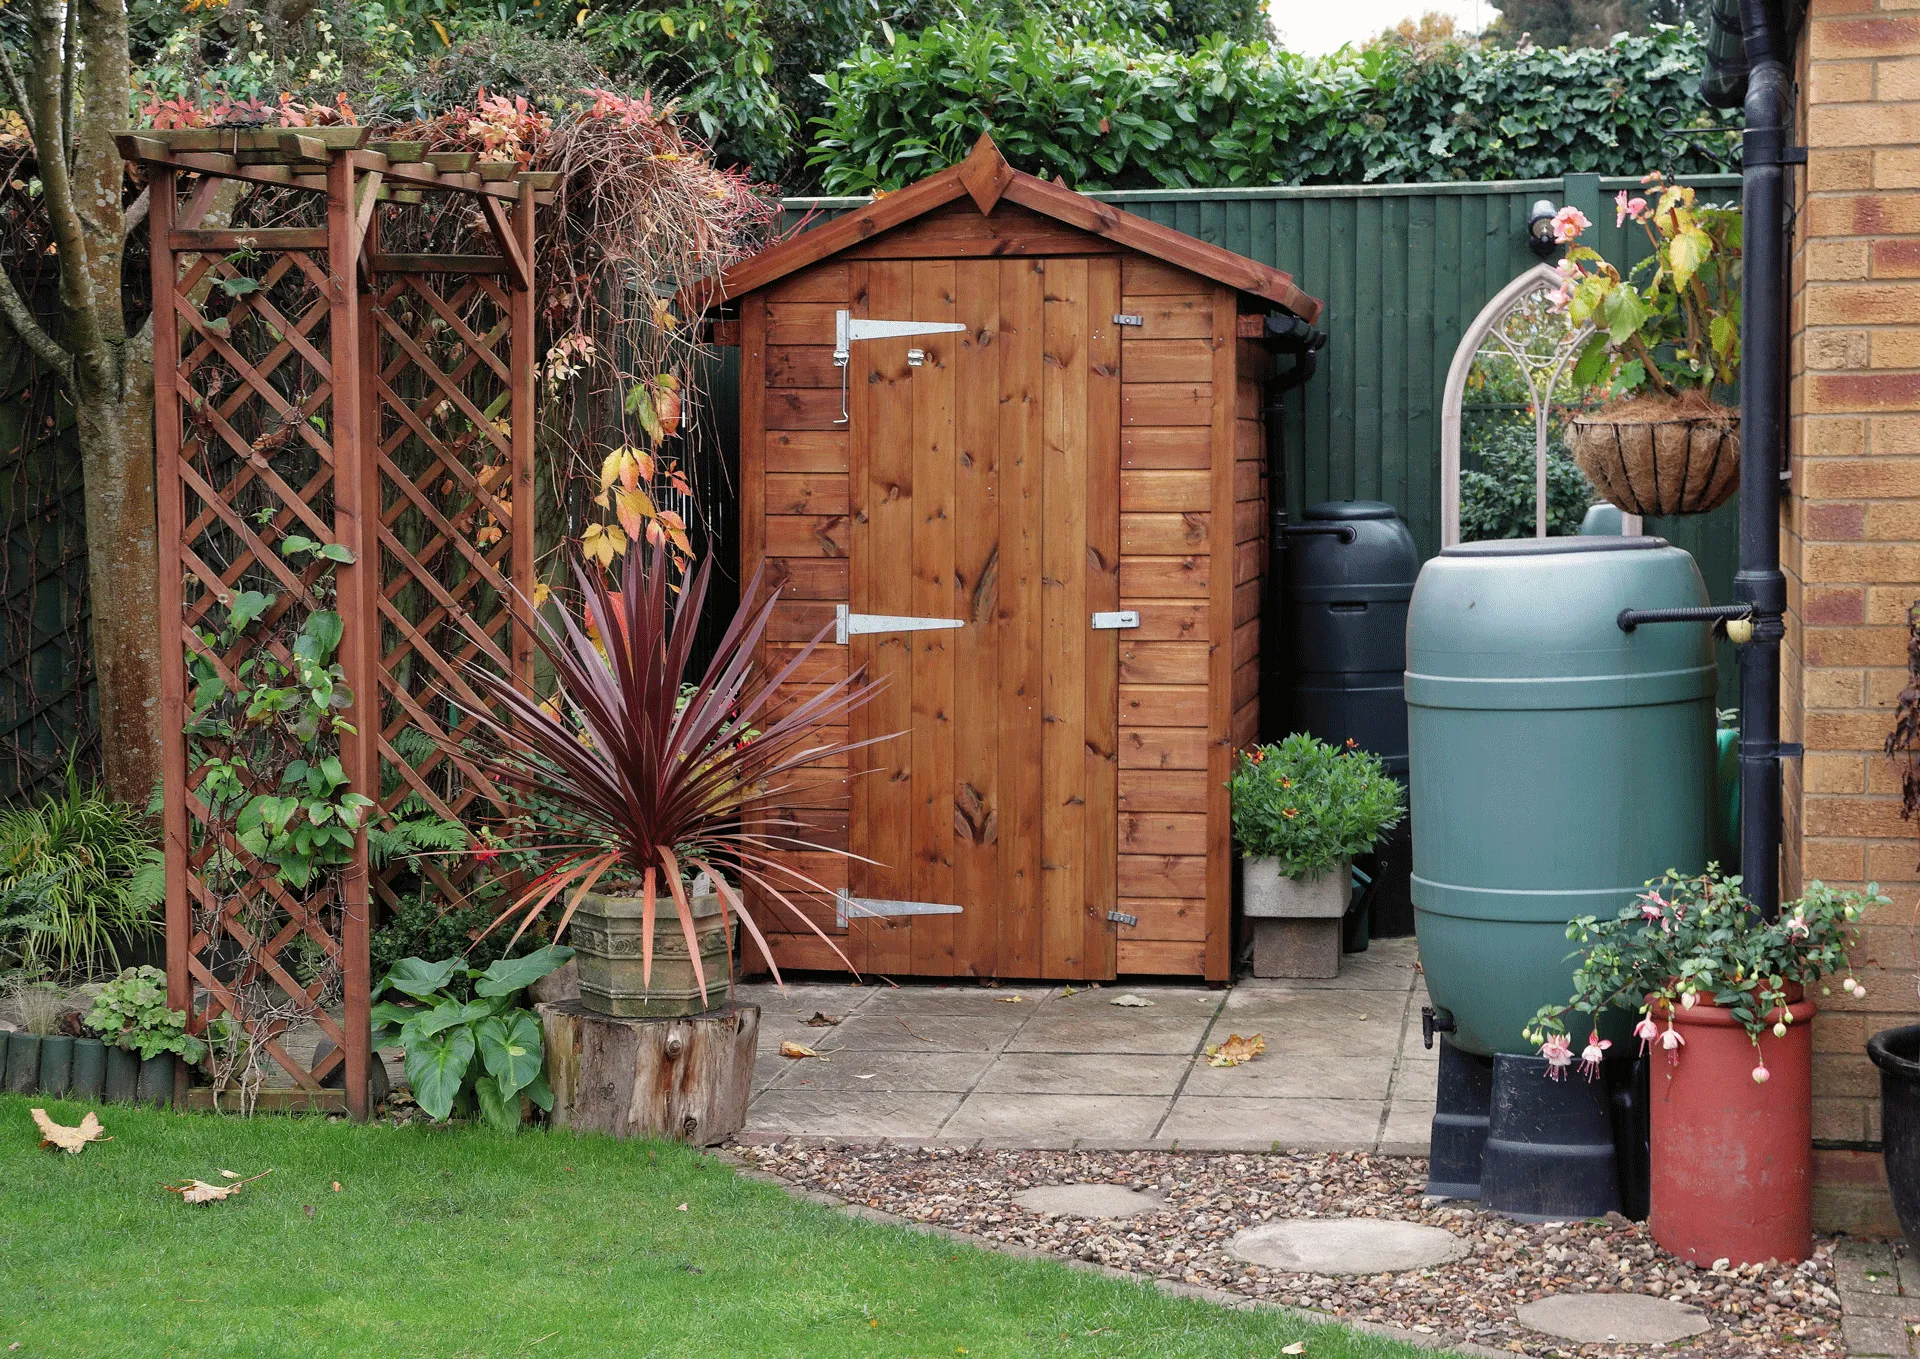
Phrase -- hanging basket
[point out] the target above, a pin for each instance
(1651, 456)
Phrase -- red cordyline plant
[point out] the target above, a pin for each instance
(650, 783)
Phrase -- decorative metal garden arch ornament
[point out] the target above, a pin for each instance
(1542, 374)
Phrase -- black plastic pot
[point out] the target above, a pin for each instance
(89, 1069)
(23, 1063)
(1897, 1053)
(155, 1085)
(123, 1075)
(56, 1064)
(1550, 1152)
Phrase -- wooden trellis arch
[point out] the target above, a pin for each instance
(308, 383)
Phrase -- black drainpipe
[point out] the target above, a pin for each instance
(1766, 152)
(1287, 338)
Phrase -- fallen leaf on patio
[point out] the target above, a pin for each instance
(1130, 1000)
(199, 1191)
(795, 1051)
(1006, 1000)
(1297, 1347)
(1069, 991)
(1236, 1050)
(869, 1076)
(69, 1139)
(821, 1021)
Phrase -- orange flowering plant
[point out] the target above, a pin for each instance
(1309, 804)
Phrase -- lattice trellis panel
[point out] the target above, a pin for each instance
(313, 391)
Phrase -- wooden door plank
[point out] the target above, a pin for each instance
(1017, 617)
(882, 431)
(976, 575)
(1063, 550)
(931, 399)
(1100, 861)
(1219, 933)
(870, 719)
(753, 509)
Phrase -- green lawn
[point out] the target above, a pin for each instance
(466, 1242)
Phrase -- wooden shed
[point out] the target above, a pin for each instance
(1036, 504)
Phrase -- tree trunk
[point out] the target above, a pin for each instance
(115, 429)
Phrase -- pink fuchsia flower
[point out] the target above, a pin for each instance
(1760, 1073)
(1568, 223)
(1672, 1040)
(1591, 1055)
(1647, 1032)
(1689, 999)
(1559, 1054)
(1797, 926)
(1653, 906)
(486, 854)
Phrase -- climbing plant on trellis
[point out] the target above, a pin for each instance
(344, 436)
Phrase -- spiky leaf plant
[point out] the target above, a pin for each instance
(646, 784)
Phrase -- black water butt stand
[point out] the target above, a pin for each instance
(1461, 1105)
(1550, 1152)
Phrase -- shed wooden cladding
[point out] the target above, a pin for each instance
(1050, 461)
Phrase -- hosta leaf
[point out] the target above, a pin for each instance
(501, 1108)
(436, 1067)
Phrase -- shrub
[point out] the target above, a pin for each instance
(1497, 500)
(1309, 804)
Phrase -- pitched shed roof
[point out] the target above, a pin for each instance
(986, 178)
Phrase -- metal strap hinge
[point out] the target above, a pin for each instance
(847, 906)
(1128, 318)
(1122, 918)
(847, 623)
(1119, 618)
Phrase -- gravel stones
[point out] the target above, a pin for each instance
(1088, 1200)
(1755, 1312)
(1599, 1317)
(1346, 1245)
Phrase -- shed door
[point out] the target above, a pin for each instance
(984, 487)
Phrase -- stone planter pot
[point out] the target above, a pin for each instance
(1297, 922)
(1651, 458)
(606, 936)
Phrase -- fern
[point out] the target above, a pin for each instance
(414, 835)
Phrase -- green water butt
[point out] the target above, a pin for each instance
(1557, 761)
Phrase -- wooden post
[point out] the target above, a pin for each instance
(356, 519)
(161, 192)
(687, 1078)
(521, 413)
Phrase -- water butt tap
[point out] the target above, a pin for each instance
(1434, 1021)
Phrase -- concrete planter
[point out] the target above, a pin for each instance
(606, 934)
(1270, 896)
(1296, 922)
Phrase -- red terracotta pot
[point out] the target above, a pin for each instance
(1733, 1157)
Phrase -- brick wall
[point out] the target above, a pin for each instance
(1850, 542)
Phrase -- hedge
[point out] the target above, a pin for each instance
(1102, 111)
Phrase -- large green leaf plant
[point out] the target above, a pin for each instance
(444, 1035)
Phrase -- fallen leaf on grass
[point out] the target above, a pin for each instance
(1131, 1001)
(229, 1174)
(1236, 1050)
(69, 1140)
(681, 1209)
(1297, 1347)
(795, 1051)
(199, 1191)
(821, 1021)
(336, 1183)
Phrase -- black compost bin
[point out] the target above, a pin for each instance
(1350, 571)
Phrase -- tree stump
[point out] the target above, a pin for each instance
(686, 1078)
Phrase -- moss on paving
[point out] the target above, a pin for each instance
(465, 1242)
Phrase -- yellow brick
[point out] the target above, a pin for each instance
(1863, 125)
(1893, 434)
(1861, 479)
(1893, 80)
(1894, 348)
(1827, 648)
(1840, 38)
(1858, 304)
(1836, 688)
(1832, 349)
(1893, 168)
(1833, 860)
(1829, 260)
(1836, 774)
(1833, 437)
(1888, 603)
(1894, 520)
(1853, 816)
(1862, 731)
(1848, 82)
(1883, 689)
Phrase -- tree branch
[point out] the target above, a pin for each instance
(137, 210)
(18, 93)
(45, 77)
(21, 318)
(68, 65)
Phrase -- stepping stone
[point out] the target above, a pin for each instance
(1347, 1245)
(1089, 1200)
(1624, 1318)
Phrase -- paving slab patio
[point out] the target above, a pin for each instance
(1054, 1066)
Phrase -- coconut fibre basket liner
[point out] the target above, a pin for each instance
(1673, 464)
